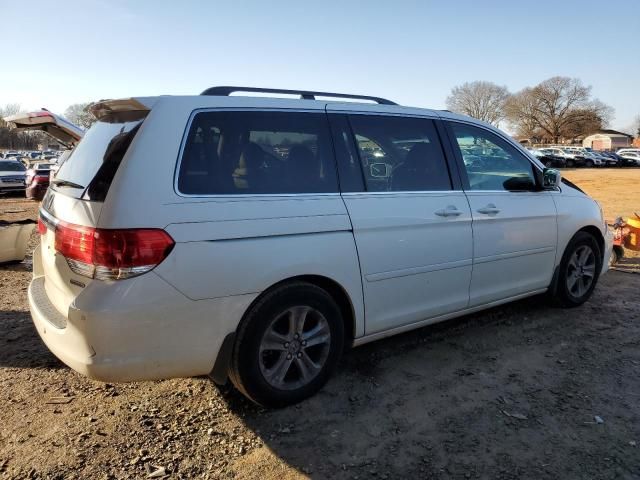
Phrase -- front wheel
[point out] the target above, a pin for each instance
(288, 345)
(589, 163)
(579, 270)
(570, 163)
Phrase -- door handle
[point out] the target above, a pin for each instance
(450, 211)
(490, 209)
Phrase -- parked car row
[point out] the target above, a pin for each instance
(30, 157)
(30, 171)
(561, 157)
(16, 177)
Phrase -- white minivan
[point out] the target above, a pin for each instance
(256, 238)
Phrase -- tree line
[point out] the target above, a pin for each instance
(557, 109)
(30, 140)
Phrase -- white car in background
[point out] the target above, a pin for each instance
(256, 238)
(12, 175)
(631, 154)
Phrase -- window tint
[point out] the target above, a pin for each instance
(93, 163)
(400, 154)
(257, 152)
(491, 163)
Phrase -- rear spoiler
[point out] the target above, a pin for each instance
(104, 107)
(58, 127)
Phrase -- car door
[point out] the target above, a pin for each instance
(514, 221)
(411, 222)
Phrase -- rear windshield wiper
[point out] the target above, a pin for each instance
(66, 183)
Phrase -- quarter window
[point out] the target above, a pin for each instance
(400, 154)
(491, 163)
(257, 153)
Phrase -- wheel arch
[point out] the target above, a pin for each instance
(219, 373)
(597, 234)
(333, 288)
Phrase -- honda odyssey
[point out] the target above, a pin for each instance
(256, 238)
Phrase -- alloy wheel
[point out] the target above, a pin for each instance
(294, 348)
(581, 271)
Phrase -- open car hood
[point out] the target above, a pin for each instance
(58, 127)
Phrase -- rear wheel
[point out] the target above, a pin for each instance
(288, 345)
(579, 270)
(589, 163)
(570, 163)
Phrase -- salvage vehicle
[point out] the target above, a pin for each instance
(255, 238)
(572, 159)
(61, 129)
(549, 160)
(12, 176)
(631, 158)
(37, 180)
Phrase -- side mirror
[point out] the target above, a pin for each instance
(551, 178)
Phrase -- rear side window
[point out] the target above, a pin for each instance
(87, 173)
(400, 154)
(228, 153)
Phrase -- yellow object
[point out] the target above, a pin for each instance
(632, 242)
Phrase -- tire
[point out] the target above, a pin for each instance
(266, 345)
(571, 288)
(589, 163)
(570, 163)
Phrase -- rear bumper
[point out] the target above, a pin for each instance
(137, 329)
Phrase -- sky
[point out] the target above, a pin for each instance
(413, 52)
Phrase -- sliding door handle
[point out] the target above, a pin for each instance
(450, 211)
(490, 209)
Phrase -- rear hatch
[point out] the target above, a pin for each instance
(73, 251)
(58, 127)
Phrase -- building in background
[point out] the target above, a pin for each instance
(607, 140)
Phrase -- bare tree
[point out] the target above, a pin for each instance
(8, 109)
(635, 126)
(482, 100)
(78, 114)
(559, 107)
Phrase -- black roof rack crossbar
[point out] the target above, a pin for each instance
(304, 94)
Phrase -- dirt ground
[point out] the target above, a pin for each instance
(521, 391)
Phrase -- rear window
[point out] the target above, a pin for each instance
(257, 153)
(88, 171)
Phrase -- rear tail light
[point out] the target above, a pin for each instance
(40, 178)
(111, 254)
(42, 228)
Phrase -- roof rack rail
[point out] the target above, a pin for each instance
(304, 94)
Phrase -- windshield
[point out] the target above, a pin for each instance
(11, 167)
(98, 153)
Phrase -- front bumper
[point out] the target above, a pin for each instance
(136, 329)
(7, 187)
(608, 247)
